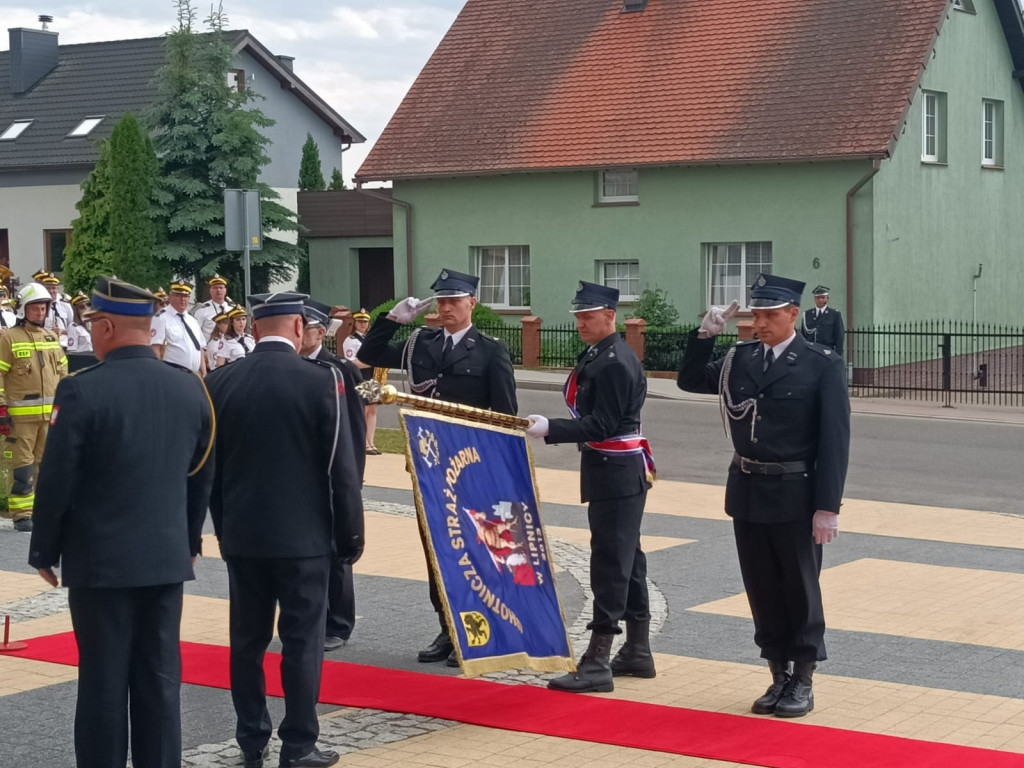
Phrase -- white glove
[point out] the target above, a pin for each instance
(715, 319)
(538, 426)
(409, 309)
(826, 526)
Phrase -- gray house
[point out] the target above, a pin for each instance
(57, 100)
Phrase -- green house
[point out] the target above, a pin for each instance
(875, 148)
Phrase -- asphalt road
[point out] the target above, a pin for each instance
(930, 461)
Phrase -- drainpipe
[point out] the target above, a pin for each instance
(408, 231)
(876, 164)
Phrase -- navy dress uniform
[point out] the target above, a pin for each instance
(789, 422)
(341, 597)
(285, 500)
(124, 521)
(606, 391)
(822, 324)
(477, 371)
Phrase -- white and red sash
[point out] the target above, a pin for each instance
(621, 445)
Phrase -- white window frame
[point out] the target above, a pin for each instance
(991, 133)
(86, 127)
(507, 272)
(736, 287)
(628, 185)
(15, 129)
(614, 281)
(930, 128)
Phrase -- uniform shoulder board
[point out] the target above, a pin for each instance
(321, 363)
(80, 371)
(821, 349)
(160, 312)
(747, 342)
(179, 367)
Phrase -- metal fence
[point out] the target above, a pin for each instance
(664, 347)
(560, 345)
(512, 335)
(942, 360)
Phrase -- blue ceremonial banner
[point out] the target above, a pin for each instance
(475, 499)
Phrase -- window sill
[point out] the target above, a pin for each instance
(987, 167)
(940, 163)
(611, 204)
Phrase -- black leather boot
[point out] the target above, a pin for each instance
(634, 657)
(780, 676)
(594, 672)
(437, 650)
(798, 698)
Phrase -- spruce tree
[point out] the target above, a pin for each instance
(208, 139)
(133, 170)
(90, 252)
(337, 182)
(311, 179)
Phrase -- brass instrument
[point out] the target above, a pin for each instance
(372, 392)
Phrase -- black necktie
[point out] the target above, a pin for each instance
(769, 358)
(447, 348)
(191, 335)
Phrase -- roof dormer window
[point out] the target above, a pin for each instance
(15, 129)
(633, 6)
(85, 127)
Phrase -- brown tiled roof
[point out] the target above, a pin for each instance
(556, 84)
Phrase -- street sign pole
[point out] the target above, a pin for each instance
(243, 228)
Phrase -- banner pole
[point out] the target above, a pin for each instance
(373, 393)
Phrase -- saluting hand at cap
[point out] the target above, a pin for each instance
(715, 319)
(409, 309)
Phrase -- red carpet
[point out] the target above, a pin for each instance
(731, 738)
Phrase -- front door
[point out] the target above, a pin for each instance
(376, 276)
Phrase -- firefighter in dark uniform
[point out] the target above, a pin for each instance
(822, 324)
(456, 363)
(285, 500)
(785, 405)
(341, 598)
(124, 523)
(605, 393)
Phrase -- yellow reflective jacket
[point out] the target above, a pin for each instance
(32, 362)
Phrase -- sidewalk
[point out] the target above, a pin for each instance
(666, 389)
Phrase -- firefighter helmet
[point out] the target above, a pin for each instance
(29, 294)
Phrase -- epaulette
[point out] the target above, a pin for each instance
(747, 342)
(160, 312)
(80, 371)
(821, 349)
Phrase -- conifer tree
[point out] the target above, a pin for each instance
(311, 179)
(207, 137)
(337, 182)
(133, 170)
(90, 252)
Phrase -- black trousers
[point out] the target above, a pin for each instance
(299, 587)
(341, 601)
(618, 567)
(129, 668)
(780, 564)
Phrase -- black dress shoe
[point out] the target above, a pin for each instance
(437, 650)
(24, 525)
(255, 759)
(452, 660)
(315, 759)
(332, 643)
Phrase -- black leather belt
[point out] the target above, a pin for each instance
(751, 467)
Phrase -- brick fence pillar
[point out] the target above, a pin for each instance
(635, 336)
(531, 341)
(745, 330)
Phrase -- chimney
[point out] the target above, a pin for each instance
(33, 56)
(286, 62)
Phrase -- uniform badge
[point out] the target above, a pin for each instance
(827, 351)
(580, 286)
(444, 274)
(53, 415)
(761, 281)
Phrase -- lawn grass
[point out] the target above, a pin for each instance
(389, 441)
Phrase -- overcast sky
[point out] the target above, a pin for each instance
(361, 56)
